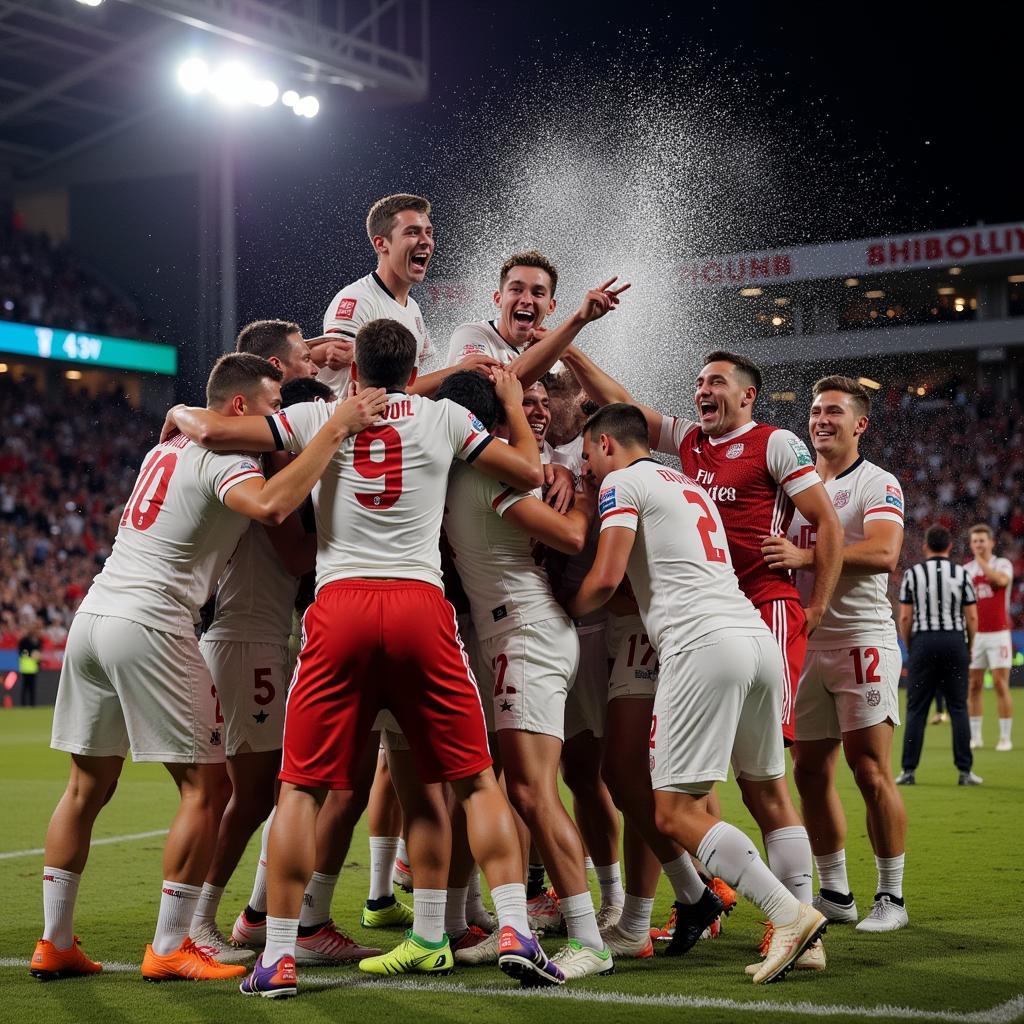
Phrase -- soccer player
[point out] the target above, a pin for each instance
(720, 672)
(280, 342)
(531, 652)
(133, 677)
(756, 474)
(993, 646)
(848, 696)
(379, 510)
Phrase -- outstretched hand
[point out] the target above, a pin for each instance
(601, 300)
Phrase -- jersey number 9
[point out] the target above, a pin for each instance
(384, 461)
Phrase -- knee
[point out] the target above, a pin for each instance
(665, 822)
(524, 799)
(611, 776)
(870, 779)
(810, 777)
(581, 779)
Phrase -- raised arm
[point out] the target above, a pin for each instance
(607, 572)
(518, 462)
(566, 533)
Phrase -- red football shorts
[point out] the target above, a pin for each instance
(786, 619)
(372, 644)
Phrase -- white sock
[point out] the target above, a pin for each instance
(177, 905)
(60, 890)
(474, 898)
(588, 864)
(686, 883)
(383, 850)
(636, 916)
(207, 907)
(890, 875)
(1005, 725)
(258, 899)
(730, 855)
(455, 911)
(428, 906)
(976, 729)
(281, 935)
(789, 858)
(316, 900)
(580, 920)
(510, 906)
(610, 879)
(403, 853)
(832, 872)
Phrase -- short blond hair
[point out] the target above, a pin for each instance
(981, 528)
(381, 218)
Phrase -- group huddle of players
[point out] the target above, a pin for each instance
(507, 585)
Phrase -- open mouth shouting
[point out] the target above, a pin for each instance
(419, 261)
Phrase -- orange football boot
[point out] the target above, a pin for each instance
(187, 963)
(49, 962)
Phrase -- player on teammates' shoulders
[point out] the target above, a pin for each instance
(848, 695)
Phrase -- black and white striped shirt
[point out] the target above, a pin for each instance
(939, 592)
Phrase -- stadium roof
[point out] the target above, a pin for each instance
(73, 76)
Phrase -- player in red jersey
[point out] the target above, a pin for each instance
(755, 474)
(993, 645)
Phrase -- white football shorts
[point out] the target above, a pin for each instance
(635, 669)
(586, 707)
(992, 650)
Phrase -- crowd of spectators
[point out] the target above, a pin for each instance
(42, 283)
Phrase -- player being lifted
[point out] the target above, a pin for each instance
(848, 695)
(720, 671)
(993, 645)
(133, 677)
(379, 510)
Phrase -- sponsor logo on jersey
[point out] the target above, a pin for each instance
(606, 500)
(873, 697)
(891, 499)
(891, 489)
(345, 309)
(841, 499)
(249, 464)
(803, 456)
(471, 347)
(499, 613)
(419, 325)
(475, 423)
(734, 451)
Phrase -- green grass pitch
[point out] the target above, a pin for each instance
(962, 958)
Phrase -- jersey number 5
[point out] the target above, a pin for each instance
(373, 464)
(706, 526)
(148, 497)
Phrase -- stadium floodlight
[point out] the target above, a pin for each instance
(308, 106)
(290, 97)
(230, 83)
(193, 75)
(262, 92)
(90, 3)
(751, 293)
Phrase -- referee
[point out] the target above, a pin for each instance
(937, 603)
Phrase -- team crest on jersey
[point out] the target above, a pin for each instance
(475, 423)
(345, 309)
(893, 496)
(734, 451)
(803, 456)
(606, 501)
(841, 499)
(874, 698)
(247, 464)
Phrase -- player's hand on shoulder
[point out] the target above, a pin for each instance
(170, 428)
(507, 387)
(362, 407)
(559, 487)
(780, 553)
(601, 300)
(480, 362)
(332, 351)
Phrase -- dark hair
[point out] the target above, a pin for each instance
(848, 386)
(624, 422)
(238, 373)
(747, 367)
(474, 392)
(530, 258)
(385, 354)
(305, 389)
(381, 218)
(266, 338)
(937, 538)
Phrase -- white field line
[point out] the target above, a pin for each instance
(1003, 1013)
(109, 841)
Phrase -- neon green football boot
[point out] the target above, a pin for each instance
(412, 956)
(394, 915)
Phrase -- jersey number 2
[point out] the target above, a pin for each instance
(706, 526)
(386, 464)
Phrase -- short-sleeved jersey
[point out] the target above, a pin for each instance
(175, 537)
(752, 474)
(680, 568)
(505, 586)
(255, 594)
(480, 337)
(859, 613)
(380, 501)
(993, 602)
(357, 304)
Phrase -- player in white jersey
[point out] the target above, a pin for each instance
(379, 508)
(848, 695)
(720, 670)
(133, 677)
(992, 579)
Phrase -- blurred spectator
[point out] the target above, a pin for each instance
(29, 653)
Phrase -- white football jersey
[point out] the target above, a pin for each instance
(680, 568)
(357, 304)
(380, 502)
(175, 537)
(505, 586)
(255, 594)
(860, 612)
(480, 337)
